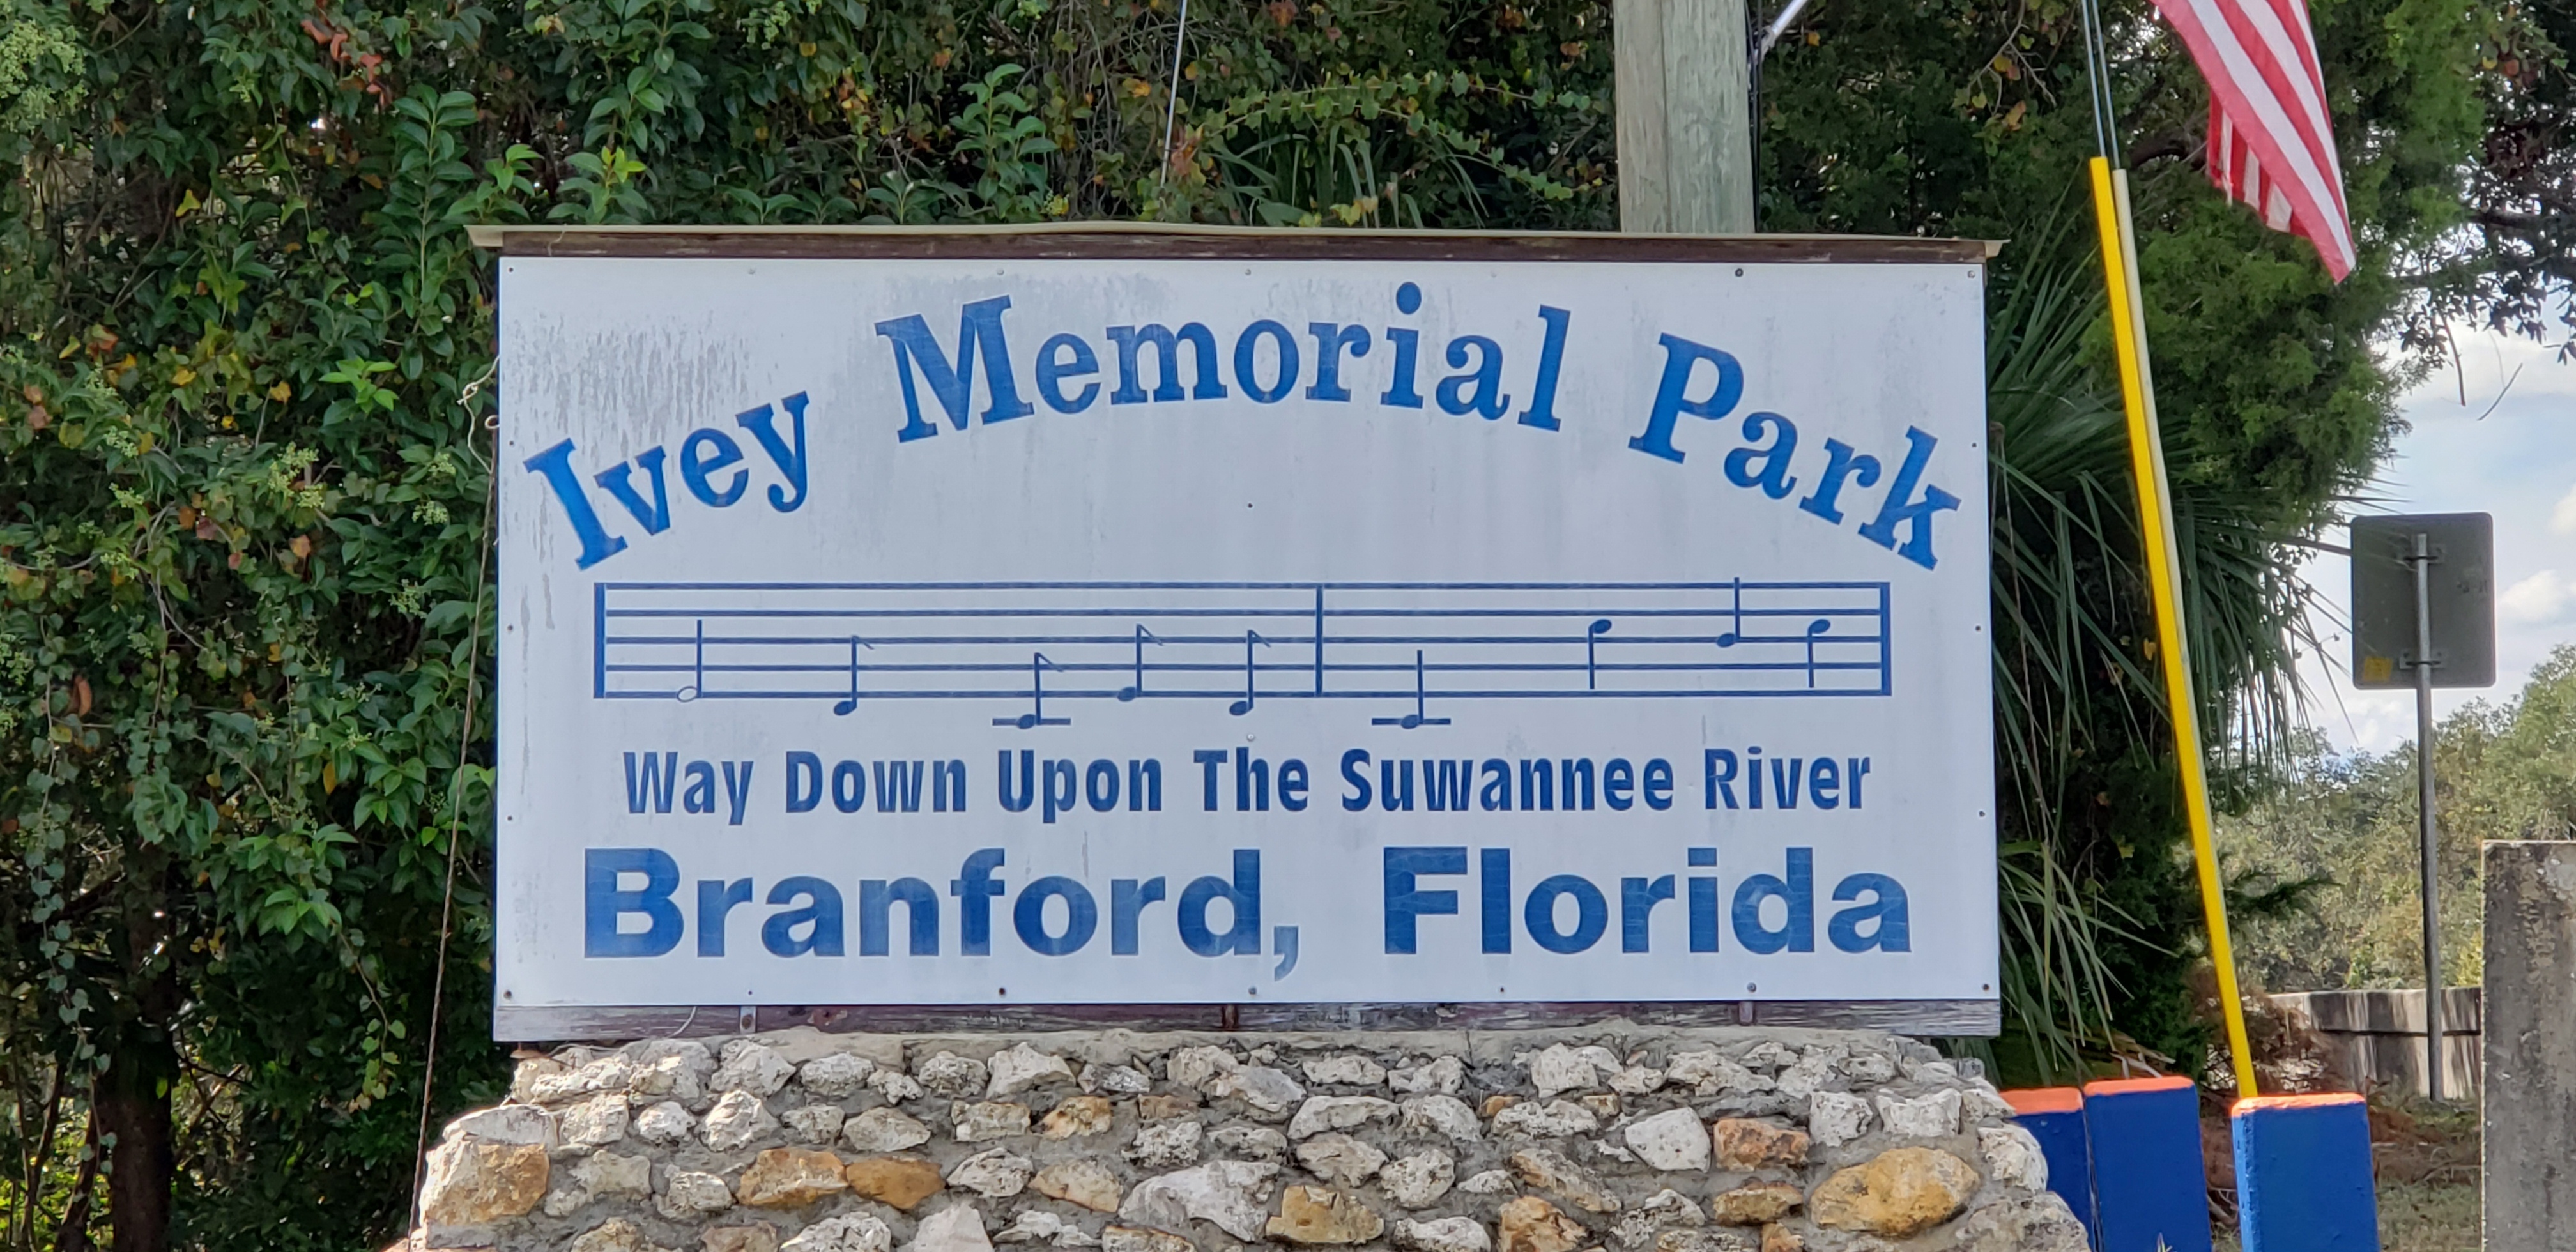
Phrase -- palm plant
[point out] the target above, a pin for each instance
(2090, 880)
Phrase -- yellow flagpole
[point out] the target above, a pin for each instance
(2155, 516)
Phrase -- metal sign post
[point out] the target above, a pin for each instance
(2396, 596)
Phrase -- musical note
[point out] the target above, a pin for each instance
(1137, 688)
(697, 668)
(1591, 661)
(1415, 719)
(1815, 630)
(1728, 639)
(850, 703)
(1244, 705)
(1036, 716)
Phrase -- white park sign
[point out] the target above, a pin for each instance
(883, 631)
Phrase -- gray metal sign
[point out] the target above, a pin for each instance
(2460, 599)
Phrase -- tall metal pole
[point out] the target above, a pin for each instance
(2422, 560)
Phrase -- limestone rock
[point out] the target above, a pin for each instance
(1872, 1068)
(1670, 1140)
(543, 1080)
(1164, 1106)
(1744, 1145)
(957, 1077)
(611, 1173)
(2013, 1158)
(1339, 1159)
(835, 1075)
(473, 1183)
(1265, 1089)
(1934, 1116)
(899, 1181)
(664, 1124)
(1898, 1193)
(1229, 1194)
(1665, 1209)
(1322, 1215)
(960, 1229)
(1075, 1116)
(814, 1123)
(786, 1178)
(1487, 1182)
(849, 1232)
(736, 1120)
(756, 1237)
(595, 1122)
(996, 1174)
(1836, 1117)
(1040, 1226)
(750, 1065)
(607, 1073)
(691, 1194)
(1560, 1068)
(1082, 1181)
(1443, 1115)
(1114, 1079)
(1193, 1067)
(1133, 1239)
(1933, 1073)
(1166, 1145)
(1980, 1105)
(893, 1085)
(1020, 1067)
(2033, 1223)
(1260, 1143)
(614, 1235)
(1603, 1104)
(1418, 1179)
(1756, 1204)
(1321, 1113)
(1604, 1147)
(510, 1123)
(1446, 1234)
(1344, 1071)
(1438, 1076)
(1770, 1056)
(1553, 1120)
(1554, 1171)
(1706, 1241)
(1530, 1224)
(671, 1069)
(988, 1119)
(884, 1130)
(1708, 1072)
(1637, 1080)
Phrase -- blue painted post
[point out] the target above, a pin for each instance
(2055, 1117)
(2303, 1181)
(2150, 1187)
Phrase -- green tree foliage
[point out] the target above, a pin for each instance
(245, 364)
(2338, 848)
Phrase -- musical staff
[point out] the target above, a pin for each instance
(1238, 645)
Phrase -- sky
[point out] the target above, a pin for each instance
(2510, 450)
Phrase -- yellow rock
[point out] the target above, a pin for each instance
(1322, 1215)
(786, 1178)
(472, 1182)
(1530, 1224)
(901, 1181)
(1898, 1193)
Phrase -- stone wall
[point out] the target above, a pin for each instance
(1611, 1137)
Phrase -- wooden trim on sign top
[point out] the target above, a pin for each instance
(1937, 1018)
(1153, 241)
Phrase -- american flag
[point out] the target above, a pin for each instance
(2271, 145)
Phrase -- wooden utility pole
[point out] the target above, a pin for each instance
(1685, 127)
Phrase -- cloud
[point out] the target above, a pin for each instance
(2562, 519)
(2540, 599)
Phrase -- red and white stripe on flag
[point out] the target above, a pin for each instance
(2271, 144)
